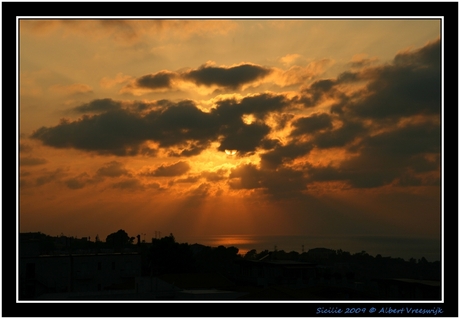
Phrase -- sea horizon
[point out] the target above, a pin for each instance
(386, 246)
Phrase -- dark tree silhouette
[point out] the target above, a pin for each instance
(168, 256)
(251, 254)
(118, 240)
(217, 260)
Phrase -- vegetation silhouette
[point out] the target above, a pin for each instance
(167, 256)
(119, 240)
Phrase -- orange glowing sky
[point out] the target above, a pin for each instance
(124, 124)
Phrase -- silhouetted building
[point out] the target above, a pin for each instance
(321, 254)
(409, 289)
(77, 273)
(276, 272)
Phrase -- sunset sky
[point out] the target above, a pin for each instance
(335, 126)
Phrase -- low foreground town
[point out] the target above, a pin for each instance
(126, 268)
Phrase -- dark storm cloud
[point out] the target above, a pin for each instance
(244, 139)
(201, 191)
(78, 182)
(112, 169)
(147, 151)
(388, 157)
(321, 90)
(429, 55)
(421, 164)
(192, 150)
(215, 176)
(176, 169)
(268, 144)
(228, 78)
(249, 177)
(359, 174)
(410, 85)
(282, 120)
(180, 122)
(156, 81)
(285, 183)
(74, 184)
(348, 77)
(232, 77)
(262, 104)
(143, 106)
(311, 124)
(259, 105)
(404, 155)
(362, 63)
(189, 179)
(123, 131)
(341, 136)
(274, 158)
(117, 132)
(97, 106)
(49, 177)
(322, 86)
(31, 161)
(409, 180)
(281, 183)
(407, 141)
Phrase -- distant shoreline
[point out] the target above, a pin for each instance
(386, 246)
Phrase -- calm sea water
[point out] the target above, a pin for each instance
(402, 247)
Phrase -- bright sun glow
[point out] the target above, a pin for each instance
(231, 152)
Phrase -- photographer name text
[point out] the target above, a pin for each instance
(380, 310)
